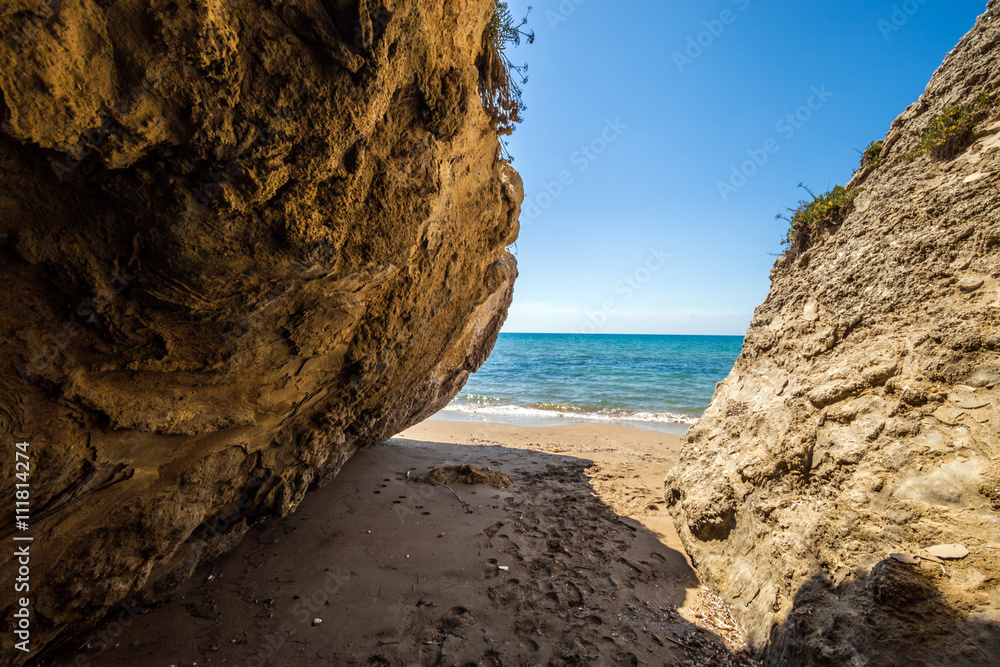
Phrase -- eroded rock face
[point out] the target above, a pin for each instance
(240, 240)
(863, 416)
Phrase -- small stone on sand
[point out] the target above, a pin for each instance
(905, 558)
(970, 284)
(948, 551)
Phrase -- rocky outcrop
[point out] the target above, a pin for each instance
(862, 418)
(240, 240)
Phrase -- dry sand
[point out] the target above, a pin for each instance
(576, 563)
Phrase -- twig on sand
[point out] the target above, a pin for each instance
(431, 481)
(464, 504)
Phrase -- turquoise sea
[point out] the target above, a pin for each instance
(661, 383)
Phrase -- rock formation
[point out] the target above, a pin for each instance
(240, 240)
(862, 418)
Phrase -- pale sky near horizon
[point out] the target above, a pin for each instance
(638, 113)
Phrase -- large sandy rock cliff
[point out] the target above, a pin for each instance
(863, 417)
(239, 241)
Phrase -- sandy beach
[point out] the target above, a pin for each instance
(575, 563)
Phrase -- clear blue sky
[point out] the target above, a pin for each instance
(598, 65)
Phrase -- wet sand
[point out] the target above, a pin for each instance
(576, 563)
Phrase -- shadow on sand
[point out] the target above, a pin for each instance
(378, 569)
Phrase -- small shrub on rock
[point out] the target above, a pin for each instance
(951, 132)
(826, 208)
(500, 80)
(872, 155)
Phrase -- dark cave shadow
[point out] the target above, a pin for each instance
(188, 625)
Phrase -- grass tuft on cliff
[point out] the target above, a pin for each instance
(871, 157)
(872, 154)
(950, 132)
(500, 80)
(822, 209)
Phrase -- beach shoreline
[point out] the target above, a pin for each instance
(576, 560)
(514, 415)
(659, 383)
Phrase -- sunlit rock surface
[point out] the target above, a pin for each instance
(239, 241)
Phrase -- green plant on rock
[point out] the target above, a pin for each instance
(872, 155)
(822, 209)
(500, 80)
(951, 131)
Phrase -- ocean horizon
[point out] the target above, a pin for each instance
(654, 382)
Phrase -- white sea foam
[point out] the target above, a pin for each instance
(548, 411)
